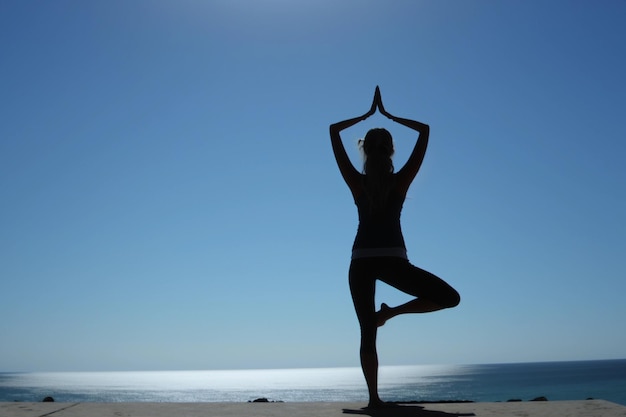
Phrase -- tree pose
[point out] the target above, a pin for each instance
(379, 251)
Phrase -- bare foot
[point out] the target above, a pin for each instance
(383, 314)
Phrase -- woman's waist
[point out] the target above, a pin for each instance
(372, 252)
(378, 238)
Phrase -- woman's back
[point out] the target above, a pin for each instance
(379, 227)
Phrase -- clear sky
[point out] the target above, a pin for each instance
(170, 199)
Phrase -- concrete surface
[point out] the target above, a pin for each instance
(588, 408)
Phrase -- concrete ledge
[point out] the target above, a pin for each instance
(588, 408)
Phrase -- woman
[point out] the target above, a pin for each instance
(379, 251)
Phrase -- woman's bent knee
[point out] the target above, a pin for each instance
(453, 300)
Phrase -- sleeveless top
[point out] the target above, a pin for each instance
(379, 232)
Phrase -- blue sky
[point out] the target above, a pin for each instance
(170, 199)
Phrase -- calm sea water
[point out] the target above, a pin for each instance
(499, 382)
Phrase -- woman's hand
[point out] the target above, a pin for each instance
(379, 102)
(376, 102)
(377, 99)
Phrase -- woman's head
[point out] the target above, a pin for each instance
(379, 141)
(377, 149)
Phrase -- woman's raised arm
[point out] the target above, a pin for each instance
(348, 171)
(413, 164)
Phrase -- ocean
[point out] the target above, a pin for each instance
(604, 379)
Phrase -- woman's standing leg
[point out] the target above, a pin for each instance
(363, 287)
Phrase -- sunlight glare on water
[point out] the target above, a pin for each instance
(230, 385)
(495, 382)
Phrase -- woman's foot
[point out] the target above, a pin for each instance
(384, 314)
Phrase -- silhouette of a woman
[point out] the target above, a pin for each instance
(379, 251)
